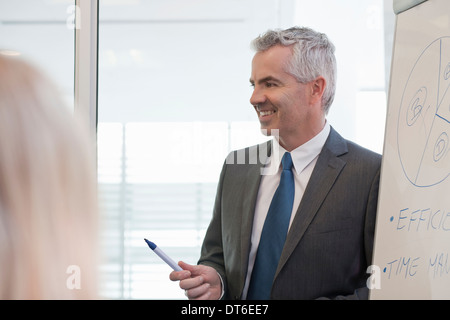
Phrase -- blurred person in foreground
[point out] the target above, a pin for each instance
(48, 201)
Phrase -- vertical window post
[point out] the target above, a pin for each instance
(86, 63)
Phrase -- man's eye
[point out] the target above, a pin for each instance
(270, 84)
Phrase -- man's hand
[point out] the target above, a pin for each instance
(199, 282)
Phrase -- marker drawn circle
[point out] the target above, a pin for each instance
(441, 147)
(416, 105)
(423, 122)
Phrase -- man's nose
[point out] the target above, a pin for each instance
(257, 97)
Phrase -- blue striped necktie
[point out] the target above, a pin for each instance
(273, 235)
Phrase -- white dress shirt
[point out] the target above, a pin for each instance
(304, 159)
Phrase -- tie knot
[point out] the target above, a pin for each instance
(286, 161)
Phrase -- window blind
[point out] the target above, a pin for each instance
(158, 181)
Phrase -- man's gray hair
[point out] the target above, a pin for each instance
(313, 56)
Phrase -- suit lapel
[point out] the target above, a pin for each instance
(257, 158)
(325, 173)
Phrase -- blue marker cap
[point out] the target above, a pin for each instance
(150, 244)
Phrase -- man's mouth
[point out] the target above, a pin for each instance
(266, 113)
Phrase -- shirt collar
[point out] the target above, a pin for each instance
(302, 155)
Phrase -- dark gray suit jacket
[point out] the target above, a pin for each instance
(330, 242)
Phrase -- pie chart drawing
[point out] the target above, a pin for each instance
(423, 129)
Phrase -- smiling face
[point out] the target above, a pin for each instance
(283, 103)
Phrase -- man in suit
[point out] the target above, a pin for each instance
(328, 245)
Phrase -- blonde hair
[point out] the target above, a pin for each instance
(48, 203)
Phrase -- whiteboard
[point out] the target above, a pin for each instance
(412, 238)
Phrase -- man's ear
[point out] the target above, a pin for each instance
(317, 89)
